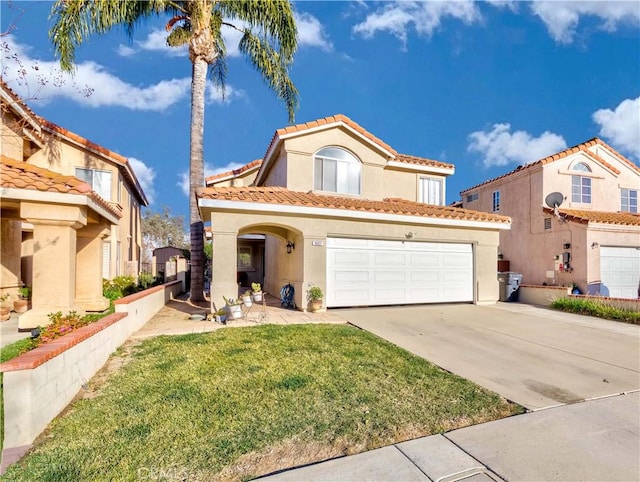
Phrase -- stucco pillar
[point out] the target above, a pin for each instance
(487, 286)
(54, 260)
(89, 268)
(313, 259)
(10, 255)
(224, 267)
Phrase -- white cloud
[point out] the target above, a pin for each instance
(209, 170)
(91, 85)
(501, 147)
(214, 94)
(145, 175)
(311, 32)
(426, 17)
(563, 16)
(155, 41)
(622, 125)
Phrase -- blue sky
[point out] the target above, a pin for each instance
(486, 86)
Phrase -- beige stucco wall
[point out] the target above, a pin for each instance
(307, 264)
(11, 140)
(63, 157)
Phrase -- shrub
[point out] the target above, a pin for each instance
(596, 307)
(110, 290)
(145, 280)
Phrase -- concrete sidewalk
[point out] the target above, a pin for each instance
(589, 441)
(174, 318)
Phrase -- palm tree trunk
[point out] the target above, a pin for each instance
(196, 177)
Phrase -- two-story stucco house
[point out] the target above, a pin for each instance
(574, 219)
(332, 205)
(70, 214)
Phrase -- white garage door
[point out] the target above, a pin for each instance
(376, 272)
(619, 271)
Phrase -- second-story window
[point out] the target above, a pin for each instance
(581, 185)
(431, 191)
(496, 201)
(336, 170)
(629, 200)
(100, 181)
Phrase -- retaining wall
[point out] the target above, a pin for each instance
(39, 384)
(545, 295)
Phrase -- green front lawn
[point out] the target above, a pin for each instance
(242, 402)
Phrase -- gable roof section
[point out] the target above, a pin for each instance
(253, 165)
(11, 100)
(279, 196)
(600, 217)
(337, 121)
(584, 147)
(22, 175)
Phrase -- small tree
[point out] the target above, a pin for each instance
(161, 229)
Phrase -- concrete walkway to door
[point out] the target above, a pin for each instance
(534, 356)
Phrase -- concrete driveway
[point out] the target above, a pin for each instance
(533, 356)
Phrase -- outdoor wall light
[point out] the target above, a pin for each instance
(290, 247)
(594, 245)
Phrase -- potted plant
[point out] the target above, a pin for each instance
(246, 299)
(221, 316)
(257, 292)
(5, 309)
(22, 303)
(233, 308)
(314, 297)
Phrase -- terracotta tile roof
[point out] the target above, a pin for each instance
(16, 102)
(235, 172)
(603, 217)
(562, 154)
(331, 120)
(16, 98)
(282, 196)
(422, 161)
(22, 175)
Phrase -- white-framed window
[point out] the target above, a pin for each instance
(100, 181)
(336, 170)
(629, 200)
(245, 259)
(496, 201)
(581, 185)
(432, 191)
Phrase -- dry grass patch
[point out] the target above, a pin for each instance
(242, 402)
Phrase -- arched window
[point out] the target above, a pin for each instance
(336, 170)
(581, 185)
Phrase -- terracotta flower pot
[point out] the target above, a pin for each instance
(20, 306)
(5, 313)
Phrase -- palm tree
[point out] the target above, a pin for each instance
(269, 41)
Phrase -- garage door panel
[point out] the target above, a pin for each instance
(389, 259)
(352, 276)
(397, 272)
(389, 276)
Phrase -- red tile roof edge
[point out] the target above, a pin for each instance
(602, 217)
(583, 147)
(235, 172)
(71, 184)
(409, 159)
(283, 196)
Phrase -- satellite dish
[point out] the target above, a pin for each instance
(554, 200)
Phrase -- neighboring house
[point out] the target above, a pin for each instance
(160, 258)
(334, 206)
(592, 239)
(70, 214)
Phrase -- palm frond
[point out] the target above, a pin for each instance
(273, 19)
(274, 71)
(75, 20)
